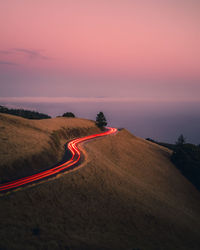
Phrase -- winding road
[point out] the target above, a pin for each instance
(75, 158)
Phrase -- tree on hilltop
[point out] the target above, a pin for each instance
(101, 120)
(181, 140)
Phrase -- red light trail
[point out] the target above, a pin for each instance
(76, 155)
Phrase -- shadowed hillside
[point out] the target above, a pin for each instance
(126, 195)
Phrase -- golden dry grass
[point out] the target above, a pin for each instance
(28, 146)
(126, 195)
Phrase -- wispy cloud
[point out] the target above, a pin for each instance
(8, 63)
(30, 53)
(6, 52)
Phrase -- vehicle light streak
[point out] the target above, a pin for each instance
(76, 155)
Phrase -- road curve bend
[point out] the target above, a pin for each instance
(76, 154)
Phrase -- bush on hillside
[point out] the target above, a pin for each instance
(68, 114)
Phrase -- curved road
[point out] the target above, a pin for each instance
(76, 154)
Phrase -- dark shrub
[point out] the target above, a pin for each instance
(101, 120)
(68, 114)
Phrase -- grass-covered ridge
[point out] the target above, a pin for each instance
(127, 195)
(28, 146)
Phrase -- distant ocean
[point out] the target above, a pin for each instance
(161, 121)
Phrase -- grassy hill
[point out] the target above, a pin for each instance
(126, 195)
(27, 146)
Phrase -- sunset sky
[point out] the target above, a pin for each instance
(143, 50)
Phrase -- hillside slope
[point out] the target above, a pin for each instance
(28, 146)
(126, 195)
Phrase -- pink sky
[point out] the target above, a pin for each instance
(55, 42)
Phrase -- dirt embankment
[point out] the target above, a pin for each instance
(28, 146)
(128, 195)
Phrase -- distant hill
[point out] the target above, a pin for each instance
(29, 114)
(126, 194)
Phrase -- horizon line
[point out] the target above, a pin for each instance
(44, 99)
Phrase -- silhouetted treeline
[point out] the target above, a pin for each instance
(164, 144)
(29, 114)
(186, 157)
